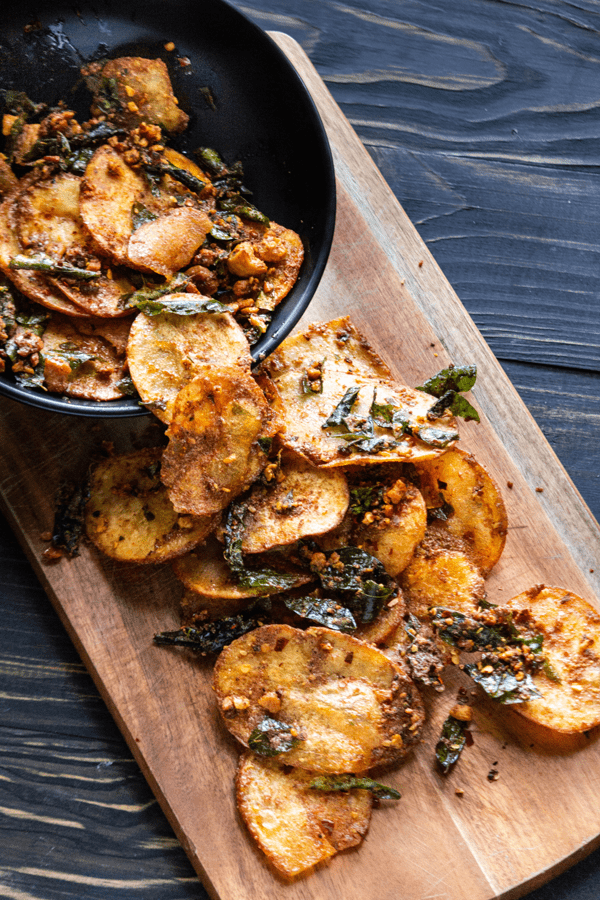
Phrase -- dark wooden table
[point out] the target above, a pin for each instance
(484, 118)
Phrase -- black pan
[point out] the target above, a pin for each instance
(262, 115)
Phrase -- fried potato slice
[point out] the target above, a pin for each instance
(393, 539)
(570, 682)
(166, 351)
(168, 243)
(110, 193)
(205, 573)
(345, 706)
(85, 357)
(294, 825)
(385, 625)
(214, 453)
(303, 502)
(477, 514)
(8, 180)
(129, 516)
(30, 283)
(441, 577)
(130, 90)
(346, 361)
(46, 218)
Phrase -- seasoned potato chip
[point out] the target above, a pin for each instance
(30, 283)
(166, 351)
(570, 680)
(168, 243)
(294, 825)
(46, 218)
(303, 501)
(393, 538)
(441, 577)
(389, 619)
(130, 90)
(474, 509)
(85, 357)
(129, 516)
(205, 573)
(111, 192)
(322, 699)
(329, 366)
(215, 436)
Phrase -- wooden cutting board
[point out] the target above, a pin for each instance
(500, 838)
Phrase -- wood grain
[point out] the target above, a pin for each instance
(162, 700)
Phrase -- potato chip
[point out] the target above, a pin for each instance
(470, 502)
(569, 682)
(319, 699)
(130, 90)
(293, 824)
(166, 351)
(215, 436)
(441, 577)
(325, 382)
(393, 536)
(169, 242)
(302, 501)
(129, 516)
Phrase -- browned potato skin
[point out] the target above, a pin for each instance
(312, 825)
(213, 452)
(349, 361)
(571, 630)
(352, 708)
(129, 517)
(479, 513)
(319, 501)
(144, 90)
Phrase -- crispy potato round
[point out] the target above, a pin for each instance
(129, 516)
(166, 351)
(205, 573)
(478, 513)
(347, 705)
(168, 243)
(347, 361)
(570, 683)
(30, 283)
(294, 825)
(303, 501)
(441, 577)
(393, 542)
(85, 357)
(141, 91)
(214, 452)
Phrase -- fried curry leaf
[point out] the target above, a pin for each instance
(343, 408)
(211, 637)
(191, 305)
(243, 208)
(153, 291)
(271, 738)
(364, 497)
(354, 782)
(447, 385)
(140, 214)
(501, 683)
(353, 572)
(451, 743)
(69, 518)
(40, 262)
(328, 613)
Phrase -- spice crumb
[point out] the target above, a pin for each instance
(459, 792)
(539, 490)
(493, 775)
(420, 263)
(169, 46)
(509, 484)
(591, 570)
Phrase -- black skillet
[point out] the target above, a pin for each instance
(244, 99)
